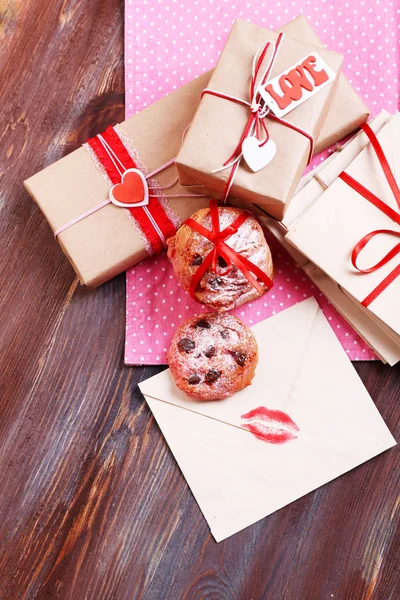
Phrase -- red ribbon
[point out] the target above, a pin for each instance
(152, 219)
(383, 207)
(250, 271)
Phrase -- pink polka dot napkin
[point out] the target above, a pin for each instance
(168, 43)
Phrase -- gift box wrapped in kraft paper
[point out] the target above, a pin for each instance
(347, 111)
(254, 130)
(102, 239)
(351, 232)
(373, 331)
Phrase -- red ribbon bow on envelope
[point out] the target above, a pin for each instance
(250, 271)
(387, 210)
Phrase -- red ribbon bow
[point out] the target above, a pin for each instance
(383, 207)
(250, 271)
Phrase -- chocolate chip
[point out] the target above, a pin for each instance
(194, 379)
(197, 260)
(222, 262)
(186, 345)
(240, 357)
(216, 283)
(212, 375)
(210, 352)
(203, 324)
(225, 334)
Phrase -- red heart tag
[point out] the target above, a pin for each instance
(132, 191)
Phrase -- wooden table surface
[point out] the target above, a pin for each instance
(92, 504)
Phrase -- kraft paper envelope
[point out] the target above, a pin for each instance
(237, 478)
(330, 229)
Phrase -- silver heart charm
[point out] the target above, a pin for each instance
(257, 157)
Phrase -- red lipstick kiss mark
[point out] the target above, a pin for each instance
(272, 426)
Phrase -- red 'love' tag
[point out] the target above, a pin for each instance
(133, 190)
(297, 84)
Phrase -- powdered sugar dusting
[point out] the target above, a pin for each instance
(213, 356)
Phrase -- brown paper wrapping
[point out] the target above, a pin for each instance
(106, 243)
(218, 124)
(347, 111)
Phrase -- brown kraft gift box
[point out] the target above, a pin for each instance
(219, 123)
(106, 243)
(347, 111)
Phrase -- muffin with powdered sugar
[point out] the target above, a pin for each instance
(213, 356)
(224, 288)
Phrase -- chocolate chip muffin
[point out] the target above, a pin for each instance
(221, 290)
(213, 356)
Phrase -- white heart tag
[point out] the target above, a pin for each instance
(257, 157)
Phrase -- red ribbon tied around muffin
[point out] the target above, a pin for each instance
(217, 237)
(383, 207)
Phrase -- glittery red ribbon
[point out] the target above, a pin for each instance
(383, 207)
(250, 271)
(152, 219)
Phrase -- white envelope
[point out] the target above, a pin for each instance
(303, 371)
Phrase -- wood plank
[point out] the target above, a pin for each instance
(92, 504)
